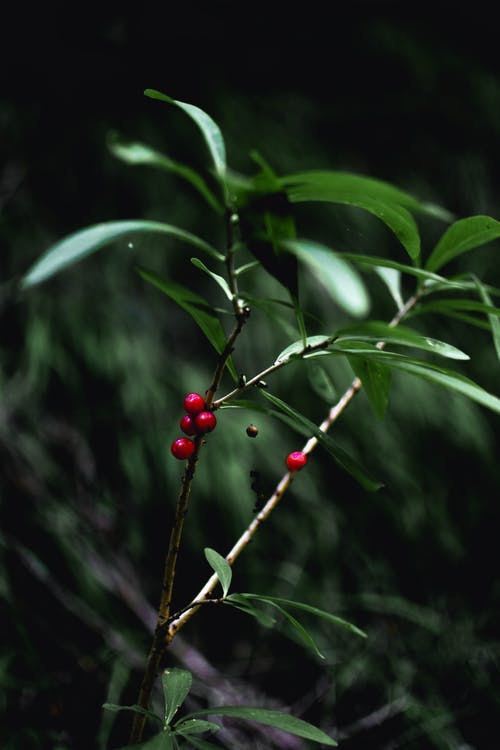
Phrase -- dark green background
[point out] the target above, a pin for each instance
(94, 366)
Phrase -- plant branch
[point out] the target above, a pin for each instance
(285, 482)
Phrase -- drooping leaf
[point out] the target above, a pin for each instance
(198, 308)
(492, 316)
(133, 152)
(305, 427)
(210, 130)
(300, 348)
(245, 605)
(296, 625)
(332, 181)
(450, 312)
(322, 384)
(452, 380)
(194, 726)
(321, 613)
(135, 708)
(337, 276)
(401, 335)
(176, 685)
(276, 719)
(376, 262)
(220, 280)
(80, 244)
(392, 279)
(376, 379)
(221, 567)
(372, 196)
(463, 235)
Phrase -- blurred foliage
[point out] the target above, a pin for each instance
(93, 369)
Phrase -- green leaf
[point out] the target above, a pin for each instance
(376, 379)
(244, 605)
(176, 685)
(492, 316)
(305, 427)
(450, 312)
(322, 384)
(220, 280)
(452, 380)
(161, 741)
(392, 279)
(80, 244)
(210, 130)
(335, 274)
(198, 308)
(380, 199)
(379, 331)
(276, 719)
(135, 708)
(221, 568)
(307, 608)
(133, 152)
(373, 260)
(195, 726)
(300, 348)
(463, 235)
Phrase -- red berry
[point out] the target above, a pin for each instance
(182, 448)
(187, 425)
(296, 460)
(205, 421)
(194, 403)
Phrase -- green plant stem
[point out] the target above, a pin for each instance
(285, 482)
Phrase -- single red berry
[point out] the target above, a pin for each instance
(194, 403)
(296, 460)
(187, 425)
(205, 421)
(182, 448)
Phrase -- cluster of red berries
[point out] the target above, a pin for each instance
(197, 421)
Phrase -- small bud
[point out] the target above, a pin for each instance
(252, 431)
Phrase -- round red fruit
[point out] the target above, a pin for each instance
(182, 448)
(205, 421)
(194, 403)
(187, 425)
(296, 460)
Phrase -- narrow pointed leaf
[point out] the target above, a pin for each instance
(197, 307)
(370, 195)
(176, 685)
(202, 744)
(300, 348)
(492, 317)
(221, 567)
(195, 726)
(450, 312)
(135, 708)
(401, 335)
(162, 741)
(133, 152)
(305, 427)
(276, 719)
(463, 235)
(80, 244)
(210, 130)
(245, 605)
(298, 628)
(307, 608)
(447, 378)
(332, 181)
(376, 379)
(322, 384)
(220, 280)
(376, 262)
(338, 277)
(392, 279)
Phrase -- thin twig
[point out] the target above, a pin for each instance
(282, 486)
